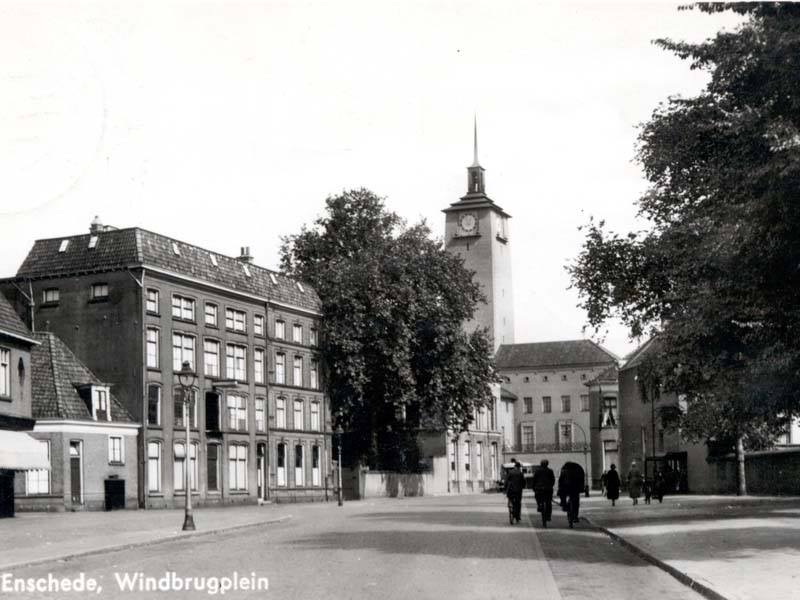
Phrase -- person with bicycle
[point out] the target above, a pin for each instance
(571, 483)
(515, 483)
(544, 480)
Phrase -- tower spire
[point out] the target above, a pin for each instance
(475, 162)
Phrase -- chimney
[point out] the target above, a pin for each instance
(96, 226)
(245, 256)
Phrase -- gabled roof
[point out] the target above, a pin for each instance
(636, 357)
(56, 375)
(610, 375)
(135, 247)
(552, 354)
(11, 324)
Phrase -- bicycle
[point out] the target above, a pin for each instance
(511, 512)
(545, 506)
(572, 517)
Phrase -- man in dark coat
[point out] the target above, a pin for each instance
(515, 483)
(544, 480)
(571, 483)
(612, 485)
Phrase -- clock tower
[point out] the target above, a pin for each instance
(477, 229)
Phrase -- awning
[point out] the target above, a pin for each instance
(19, 451)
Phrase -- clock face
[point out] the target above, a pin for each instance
(467, 223)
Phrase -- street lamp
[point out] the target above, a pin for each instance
(339, 433)
(187, 377)
(585, 450)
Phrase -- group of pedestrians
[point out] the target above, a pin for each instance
(571, 484)
(637, 485)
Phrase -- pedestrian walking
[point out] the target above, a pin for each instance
(635, 481)
(571, 483)
(612, 485)
(603, 483)
(544, 480)
(515, 483)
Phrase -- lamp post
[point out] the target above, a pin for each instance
(585, 450)
(339, 433)
(187, 377)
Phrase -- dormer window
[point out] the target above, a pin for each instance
(246, 270)
(273, 279)
(213, 260)
(175, 249)
(300, 287)
(93, 242)
(100, 403)
(64, 245)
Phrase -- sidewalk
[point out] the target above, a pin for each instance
(739, 548)
(40, 537)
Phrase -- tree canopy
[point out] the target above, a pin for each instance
(717, 275)
(397, 359)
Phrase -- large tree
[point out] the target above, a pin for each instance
(394, 303)
(717, 275)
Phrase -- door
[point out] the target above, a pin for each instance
(76, 472)
(261, 460)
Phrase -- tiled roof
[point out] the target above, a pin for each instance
(134, 247)
(56, 375)
(507, 394)
(610, 375)
(552, 354)
(10, 321)
(636, 357)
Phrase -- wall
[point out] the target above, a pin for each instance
(380, 484)
(772, 472)
(18, 403)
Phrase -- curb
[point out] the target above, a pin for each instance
(153, 542)
(685, 579)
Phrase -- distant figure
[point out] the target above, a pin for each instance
(571, 483)
(515, 483)
(659, 486)
(647, 490)
(544, 480)
(612, 485)
(603, 483)
(635, 481)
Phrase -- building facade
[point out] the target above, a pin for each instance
(552, 414)
(18, 450)
(133, 305)
(604, 418)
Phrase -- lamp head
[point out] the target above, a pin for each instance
(186, 375)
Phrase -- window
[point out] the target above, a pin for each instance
(297, 334)
(584, 402)
(261, 414)
(453, 449)
(152, 348)
(563, 377)
(526, 379)
(280, 368)
(258, 365)
(182, 308)
(179, 473)
(153, 405)
(100, 408)
(528, 436)
(297, 371)
(466, 461)
(235, 320)
(213, 260)
(180, 408)
(547, 405)
(212, 467)
(175, 249)
(116, 451)
(258, 324)
(182, 350)
(583, 376)
(315, 416)
(280, 413)
(280, 330)
(609, 410)
(300, 287)
(315, 472)
(51, 296)
(314, 375)
(211, 358)
(37, 481)
(297, 423)
(99, 291)
(312, 336)
(565, 434)
(299, 463)
(566, 404)
(479, 460)
(211, 314)
(151, 303)
(493, 460)
(236, 362)
(64, 245)
(5, 372)
(545, 378)
(237, 467)
(237, 413)
(281, 463)
(154, 466)
(528, 405)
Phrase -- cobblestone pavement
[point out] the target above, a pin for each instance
(448, 547)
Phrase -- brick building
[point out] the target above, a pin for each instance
(133, 305)
(604, 422)
(89, 436)
(18, 450)
(552, 412)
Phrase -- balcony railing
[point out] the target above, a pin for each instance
(548, 448)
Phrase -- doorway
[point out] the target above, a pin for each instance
(261, 461)
(76, 471)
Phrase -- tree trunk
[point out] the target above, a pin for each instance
(740, 472)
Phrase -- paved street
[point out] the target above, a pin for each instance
(454, 547)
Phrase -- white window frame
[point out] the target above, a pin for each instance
(316, 462)
(211, 368)
(281, 470)
(259, 323)
(236, 362)
(37, 481)
(153, 351)
(101, 396)
(261, 414)
(299, 472)
(51, 296)
(235, 320)
(280, 329)
(116, 450)
(5, 372)
(298, 414)
(297, 371)
(152, 299)
(158, 404)
(210, 317)
(182, 351)
(280, 367)
(237, 467)
(259, 358)
(315, 422)
(184, 307)
(280, 412)
(313, 375)
(98, 291)
(237, 412)
(297, 333)
(154, 466)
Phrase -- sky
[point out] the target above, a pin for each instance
(227, 124)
